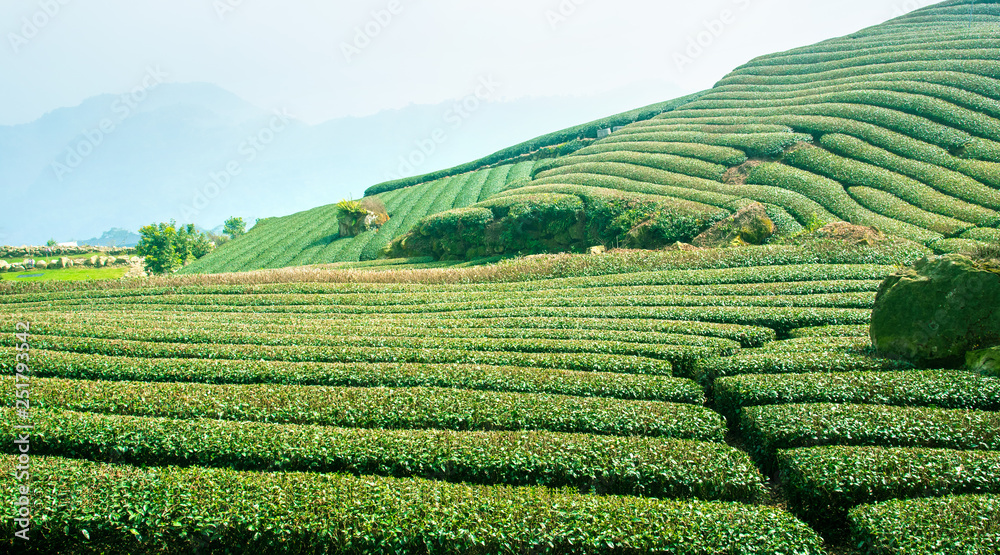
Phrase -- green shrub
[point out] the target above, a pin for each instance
(54, 364)
(725, 156)
(593, 464)
(830, 331)
(950, 389)
(984, 235)
(958, 246)
(558, 360)
(594, 179)
(667, 162)
(959, 524)
(763, 361)
(769, 428)
(947, 181)
(823, 483)
(834, 198)
(969, 121)
(179, 510)
(533, 220)
(671, 347)
(890, 205)
(753, 145)
(850, 172)
(412, 408)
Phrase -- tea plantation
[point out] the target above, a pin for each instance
(896, 126)
(712, 401)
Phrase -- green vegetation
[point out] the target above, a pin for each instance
(411, 408)
(65, 274)
(215, 508)
(167, 247)
(770, 428)
(336, 407)
(959, 524)
(825, 482)
(592, 464)
(486, 378)
(535, 222)
(926, 388)
(235, 227)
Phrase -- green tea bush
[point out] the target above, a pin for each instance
(590, 179)
(947, 181)
(759, 361)
(958, 524)
(956, 246)
(348, 354)
(381, 408)
(773, 427)
(951, 389)
(667, 162)
(752, 144)
(180, 510)
(830, 331)
(54, 364)
(935, 109)
(892, 206)
(834, 198)
(850, 172)
(823, 483)
(725, 156)
(592, 464)
(672, 347)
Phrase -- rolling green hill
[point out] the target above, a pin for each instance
(896, 126)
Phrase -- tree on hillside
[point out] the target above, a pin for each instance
(51, 243)
(167, 247)
(235, 227)
(194, 244)
(159, 247)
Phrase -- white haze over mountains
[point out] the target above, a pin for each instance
(196, 153)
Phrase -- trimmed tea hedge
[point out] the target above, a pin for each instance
(55, 364)
(593, 464)
(348, 354)
(831, 331)
(769, 362)
(98, 507)
(834, 198)
(823, 483)
(967, 524)
(412, 408)
(952, 389)
(769, 428)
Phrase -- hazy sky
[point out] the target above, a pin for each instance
(321, 60)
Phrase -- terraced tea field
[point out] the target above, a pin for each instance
(896, 126)
(671, 403)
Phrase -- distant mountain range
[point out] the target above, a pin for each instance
(197, 153)
(115, 237)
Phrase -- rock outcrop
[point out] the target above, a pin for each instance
(936, 311)
(749, 226)
(984, 361)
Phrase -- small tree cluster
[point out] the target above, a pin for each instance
(167, 246)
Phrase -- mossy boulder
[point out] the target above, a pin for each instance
(749, 226)
(984, 361)
(936, 311)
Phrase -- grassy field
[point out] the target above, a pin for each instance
(65, 274)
